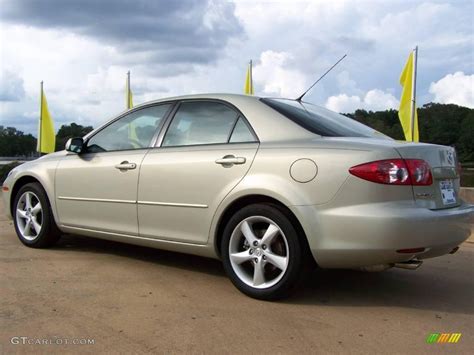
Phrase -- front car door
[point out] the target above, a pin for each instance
(97, 189)
(206, 150)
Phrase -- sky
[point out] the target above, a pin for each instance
(82, 50)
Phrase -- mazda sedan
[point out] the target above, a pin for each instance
(266, 185)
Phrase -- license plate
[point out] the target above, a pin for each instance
(447, 191)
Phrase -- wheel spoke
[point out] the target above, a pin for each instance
(21, 213)
(27, 229)
(36, 209)
(270, 234)
(27, 200)
(241, 257)
(276, 260)
(258, 274)
(36, 225)
(248, 233)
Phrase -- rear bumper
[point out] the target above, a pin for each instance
(371, 234)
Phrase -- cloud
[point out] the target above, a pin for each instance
(373, 100)
(276, 78)
(456, 88)
(11, 86)
(153, 32)
(83, 48)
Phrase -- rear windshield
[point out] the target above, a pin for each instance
(321, 121)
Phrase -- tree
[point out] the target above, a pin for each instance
(445, 124)
(70, 131)
(15, 143)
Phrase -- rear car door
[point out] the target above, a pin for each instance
(207, 148)
(97, 189)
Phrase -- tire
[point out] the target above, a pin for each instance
(27, 216)
(279, 259)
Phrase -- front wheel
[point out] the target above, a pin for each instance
(34, 221)
(261, 252)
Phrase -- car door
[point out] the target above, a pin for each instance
(97, 189)
(206, 150)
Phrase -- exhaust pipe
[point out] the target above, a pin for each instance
(409, 265)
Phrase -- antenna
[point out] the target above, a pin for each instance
(322, 76)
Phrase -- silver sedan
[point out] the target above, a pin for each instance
(266, 185)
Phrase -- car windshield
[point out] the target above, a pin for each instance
(322, 121)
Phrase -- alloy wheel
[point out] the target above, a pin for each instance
(29, 215)
(258, 252)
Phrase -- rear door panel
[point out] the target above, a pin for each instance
(181, 187)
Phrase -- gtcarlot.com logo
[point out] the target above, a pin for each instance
(443, 338)
(22, 340)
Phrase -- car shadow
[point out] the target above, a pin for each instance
(424, 289)
(157, 256)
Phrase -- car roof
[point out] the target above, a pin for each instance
(268, 124)
(212, 96)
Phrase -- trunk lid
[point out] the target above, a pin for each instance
(444, 191)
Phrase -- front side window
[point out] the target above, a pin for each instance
(200, 122)
(133, 131)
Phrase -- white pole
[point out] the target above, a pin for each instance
(251, 79)
(40, 138)
(413, 94)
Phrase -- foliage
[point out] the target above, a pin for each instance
(444, 124)
(5, 169)
(70, 131)
(14, 143)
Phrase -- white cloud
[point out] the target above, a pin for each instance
(276, 78)
(377, 100)
(343, 103)
(11, 86)
(373, 100)
(292, 43)
(456, 88)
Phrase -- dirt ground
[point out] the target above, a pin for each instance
(129, 299)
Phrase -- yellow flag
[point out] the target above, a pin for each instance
(248, 88)
(46, 136)
(404, 112)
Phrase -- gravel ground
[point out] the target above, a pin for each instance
(131, 299)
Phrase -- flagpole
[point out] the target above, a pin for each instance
(40, 138)
(413, 94)
(251, 78)
(128, 90)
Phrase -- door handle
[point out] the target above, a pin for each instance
(125, 165)
(229, 160)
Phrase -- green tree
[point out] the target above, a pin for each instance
(70, 131)
(14, 143)
(444, 124)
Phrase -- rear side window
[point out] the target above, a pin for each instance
(200, 122)
(241, 133)
(321, 121)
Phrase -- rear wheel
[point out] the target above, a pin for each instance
(34, 222)
(261, 252)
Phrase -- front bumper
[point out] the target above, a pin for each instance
(5, 195)
(370, 234)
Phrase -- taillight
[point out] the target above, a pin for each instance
(395, 172)
(420, 172)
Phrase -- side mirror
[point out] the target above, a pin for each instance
(75, 145)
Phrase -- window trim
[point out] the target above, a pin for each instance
(171, 116)
(158, 129)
